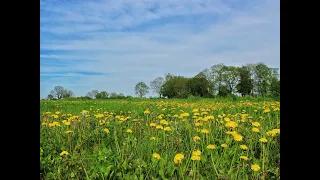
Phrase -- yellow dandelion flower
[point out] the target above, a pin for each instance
(106, 130)
(167, 129)
(153, 124)
(159, 127)
(255, 130)
(244, 147)
(196, 138)
(224, 145)
(244, 158)
(231, 124)
(196, 152)
(263, 140)
(178, 158)
(129, 131)
(256, 124)
(255, 167)
(211, 146)
(153, 138)
(237, 137)
(205, 131)
(147, 111)
(164, 122)
(195, 158)
(266, 110)
(64, 153)
(156, 155)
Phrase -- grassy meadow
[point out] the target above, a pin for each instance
(160, 139)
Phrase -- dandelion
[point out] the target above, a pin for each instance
(129, 131)
(195, 158)
(266, 110)
(153, 138)
(69, 131)
(263, 140)
(196, 152)
(178, 158)
(64, 153)
(237, 137)
(256, 124)
(205, 131)
(244, 158)
(164, 122)
(167, 129)
(147, 111)
(224, 145)
(196, 138)
(107, 130)
(255, 167)
(255, 130)
(231, 124)
(244, 147)
(153, 124)
(211, 146)
(159, 127)
(156, 155)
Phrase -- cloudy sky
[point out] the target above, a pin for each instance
(113, 44)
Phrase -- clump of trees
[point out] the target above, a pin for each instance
(217, 81)
(221, 81)
(59, 93)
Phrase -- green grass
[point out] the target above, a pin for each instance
(95, 154)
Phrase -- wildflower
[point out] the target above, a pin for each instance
(129, 131)
(266, 110)
(196, 152)
(159, 127)
(211, 146)
(147, 111)
(107, 130)
(69, 131)
(205, 131)
(237, 137)
(255, 129)
(58, 112)
(227, 119)
(167, 129)
(156, 155)
(64, 153)
(153, 124)
(244, 147)
(263, 140)
(197, 124)
(196, 138)
(244, 158)
(164, 122)
(153, 138)
(178, 158)
(195, 158)
(224, 145)
(231, 124)
(256, 124)
(255, 167)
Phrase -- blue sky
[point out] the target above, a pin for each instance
(112, 45)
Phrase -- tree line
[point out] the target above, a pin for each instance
(217, 81)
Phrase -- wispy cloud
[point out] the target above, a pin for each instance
(120, 42)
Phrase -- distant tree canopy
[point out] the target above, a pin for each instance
(217, 81)
(59, 93)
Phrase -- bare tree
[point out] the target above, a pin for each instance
(156, 85)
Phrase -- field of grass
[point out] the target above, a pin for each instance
(160, 139)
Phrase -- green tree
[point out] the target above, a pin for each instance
(245, 84)
(230, 77)
(175, 87)
(102, 95)
(141, 89)
(199, 86)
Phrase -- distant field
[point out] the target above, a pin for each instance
(160, 139)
